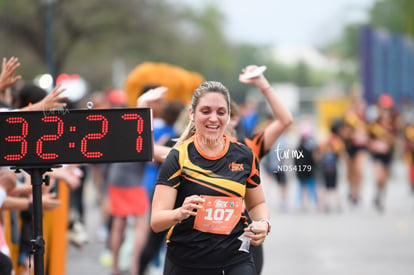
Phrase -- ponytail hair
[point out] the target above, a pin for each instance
(188, 132)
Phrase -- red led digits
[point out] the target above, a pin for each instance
(21, 138)
(84, 141)
(140, 128)
(39, 143)
(40, 139)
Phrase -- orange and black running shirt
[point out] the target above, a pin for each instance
(256, 143)
(191, 172)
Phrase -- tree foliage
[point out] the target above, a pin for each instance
(90, 35)
(394, 15)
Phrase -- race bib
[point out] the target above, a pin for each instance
(219, 214)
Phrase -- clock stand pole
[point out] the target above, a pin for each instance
(38, 243)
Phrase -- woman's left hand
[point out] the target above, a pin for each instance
(257, 232)
(260, 81)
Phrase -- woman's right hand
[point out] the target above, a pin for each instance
(189, 207)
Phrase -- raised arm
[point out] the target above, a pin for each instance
(283, 117)
(151, 96)
(145, 100)
(8, 68)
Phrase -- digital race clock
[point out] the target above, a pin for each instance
(75, 136)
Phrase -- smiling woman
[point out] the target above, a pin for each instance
(211, 120)
(202, 186)
(215, 88)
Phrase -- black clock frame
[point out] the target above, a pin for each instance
(75, 136)
(141, 132)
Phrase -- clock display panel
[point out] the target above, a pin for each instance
(75, 136)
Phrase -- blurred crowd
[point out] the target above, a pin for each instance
(382, 132)
(366, 140)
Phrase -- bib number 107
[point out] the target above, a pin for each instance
(218, 214)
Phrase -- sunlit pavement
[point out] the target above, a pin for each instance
(357, 241)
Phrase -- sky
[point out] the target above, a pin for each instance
(287, 22)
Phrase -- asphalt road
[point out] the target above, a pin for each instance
(357, 240)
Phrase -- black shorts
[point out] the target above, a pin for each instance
(244, 268)
(385, 159)
(330, 178)
(280, 177)
(352, 149)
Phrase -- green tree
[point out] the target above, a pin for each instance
(90, 35)
(87, 34)
(394, 15)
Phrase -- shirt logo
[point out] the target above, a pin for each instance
(220, 204)
(236, 167)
